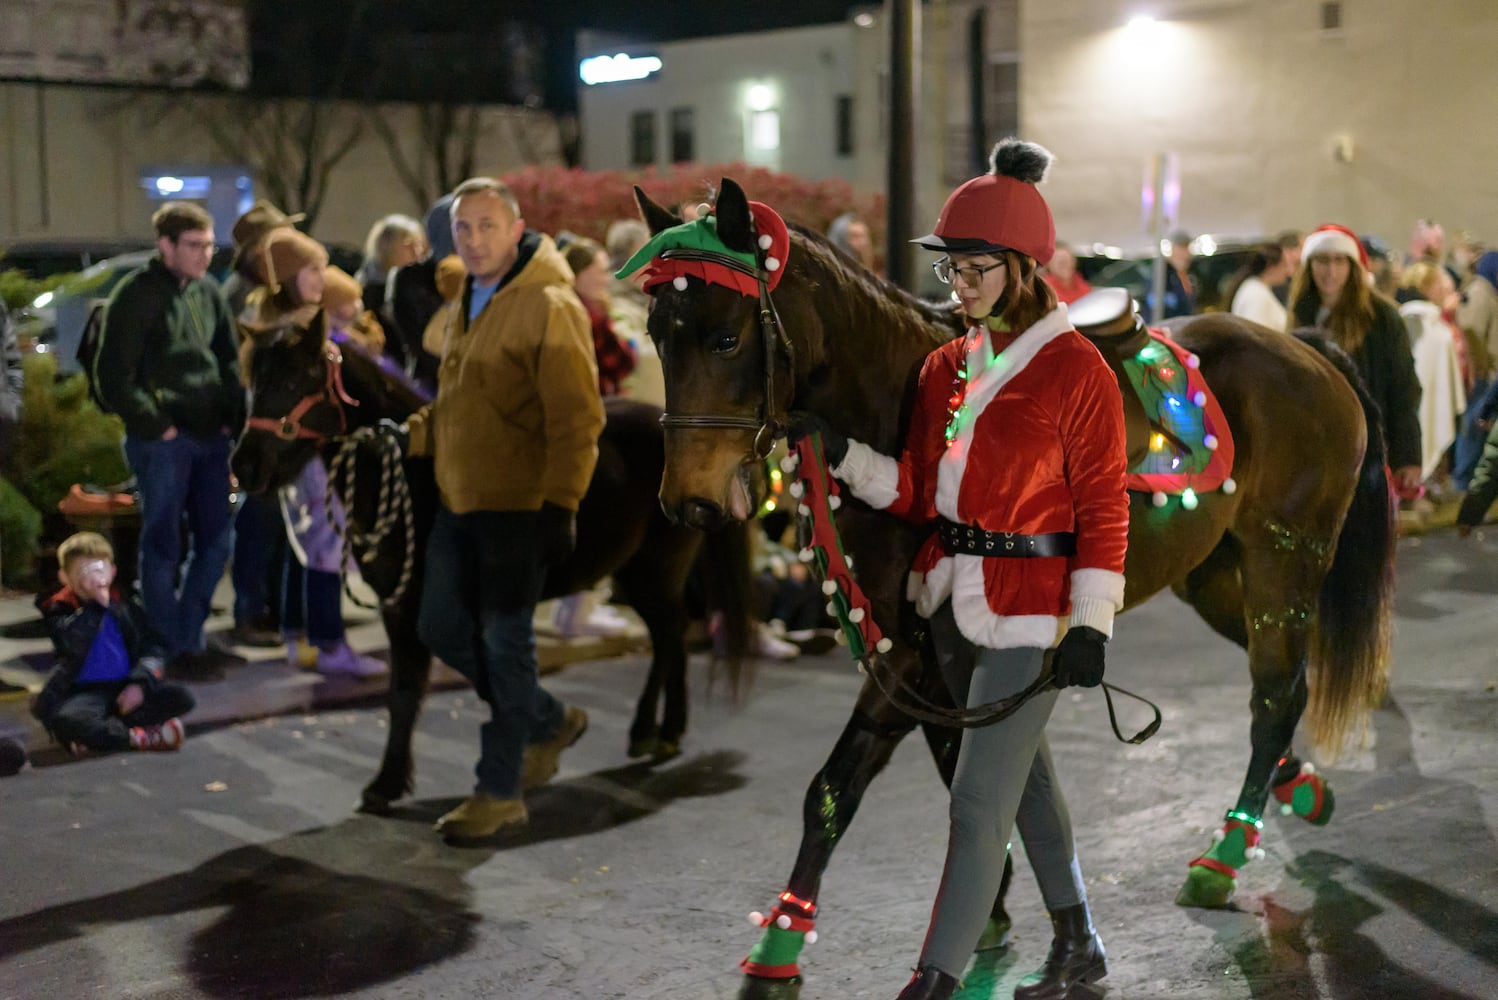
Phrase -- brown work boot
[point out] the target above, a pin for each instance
(542, 759)
(482, 815)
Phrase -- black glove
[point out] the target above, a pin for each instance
(800, 423)
(558, 530)
(1079, 658)
(399, 433)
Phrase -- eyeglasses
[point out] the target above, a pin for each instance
(969, 276)
(198, 246)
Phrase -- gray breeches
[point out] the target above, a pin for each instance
(1004, 778)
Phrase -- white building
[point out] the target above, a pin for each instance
(1279, 113)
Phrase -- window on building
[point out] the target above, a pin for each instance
(1002, 100)
(642, 138)
(682, 150)
(764, 129)
(845, 125)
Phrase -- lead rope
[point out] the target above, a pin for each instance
(817, 496)
(393, 507)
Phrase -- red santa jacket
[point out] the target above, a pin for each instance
(1039, 448)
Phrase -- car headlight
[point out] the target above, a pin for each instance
(43, 300)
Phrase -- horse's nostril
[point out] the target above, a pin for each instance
(701, 514)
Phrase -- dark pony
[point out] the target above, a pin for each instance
(621, 532)
(1294, 565)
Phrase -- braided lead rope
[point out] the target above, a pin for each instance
(816, 493)
(392, 508)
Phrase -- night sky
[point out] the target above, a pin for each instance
(509, 51)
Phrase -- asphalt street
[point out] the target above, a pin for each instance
(237, 867)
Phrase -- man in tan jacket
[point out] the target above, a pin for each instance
(514, 434)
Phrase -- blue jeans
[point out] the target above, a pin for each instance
(186, 475)
(257, 532)
(484, 575)
(312, 602)
(1469, 443)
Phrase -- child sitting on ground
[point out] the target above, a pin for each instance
(106, 692)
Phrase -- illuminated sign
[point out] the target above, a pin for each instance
(617, 68)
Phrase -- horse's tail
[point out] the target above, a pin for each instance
(727, 566)
(1350, 658)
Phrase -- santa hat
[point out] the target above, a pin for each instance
(1334, 239)
(1002, 210)
(283, 254)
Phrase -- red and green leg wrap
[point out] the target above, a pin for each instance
(789, 926)
(1307, 795)
(1213, 878)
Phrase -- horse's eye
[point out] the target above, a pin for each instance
(724, 343)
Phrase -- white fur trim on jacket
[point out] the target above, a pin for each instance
(1096, 596)
(874, 478)
(981, 391)
(960, 578)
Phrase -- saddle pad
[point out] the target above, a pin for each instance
(1191, 445)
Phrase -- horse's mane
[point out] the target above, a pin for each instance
(870, 301)
(387, 380)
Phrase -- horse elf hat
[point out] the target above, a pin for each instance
(1002, 210)
(694, 249)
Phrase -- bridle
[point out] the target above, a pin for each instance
(290, 427)
(766, 423)
(394, 507)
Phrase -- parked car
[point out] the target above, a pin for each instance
(54, 321)
(1215, 261)
(39, 259)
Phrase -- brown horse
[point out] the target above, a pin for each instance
(1294, 565)
(303, 385)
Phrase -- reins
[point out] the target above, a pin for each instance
(393, 507)
(817, 495)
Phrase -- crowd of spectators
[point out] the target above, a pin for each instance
(1422, 328)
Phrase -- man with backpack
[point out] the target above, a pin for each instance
(166, 362)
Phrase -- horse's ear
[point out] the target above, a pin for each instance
(735, 225)
(656, 217)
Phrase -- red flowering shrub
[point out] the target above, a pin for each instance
(586, 202)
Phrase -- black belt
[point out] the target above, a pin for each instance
(967, 539)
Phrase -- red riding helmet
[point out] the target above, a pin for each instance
(1002, 210)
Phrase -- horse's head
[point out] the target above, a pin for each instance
(296, 403)
(728, 362)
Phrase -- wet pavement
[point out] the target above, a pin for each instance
(237, 867)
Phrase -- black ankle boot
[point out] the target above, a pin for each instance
(1076, 957)
(929, 983)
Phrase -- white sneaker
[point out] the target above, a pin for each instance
(340, 658)
(771, 646)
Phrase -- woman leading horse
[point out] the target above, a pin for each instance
(1293, 564)
(1016, 451)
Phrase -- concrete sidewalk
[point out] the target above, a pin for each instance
(266, 684)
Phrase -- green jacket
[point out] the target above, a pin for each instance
(168, 356)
